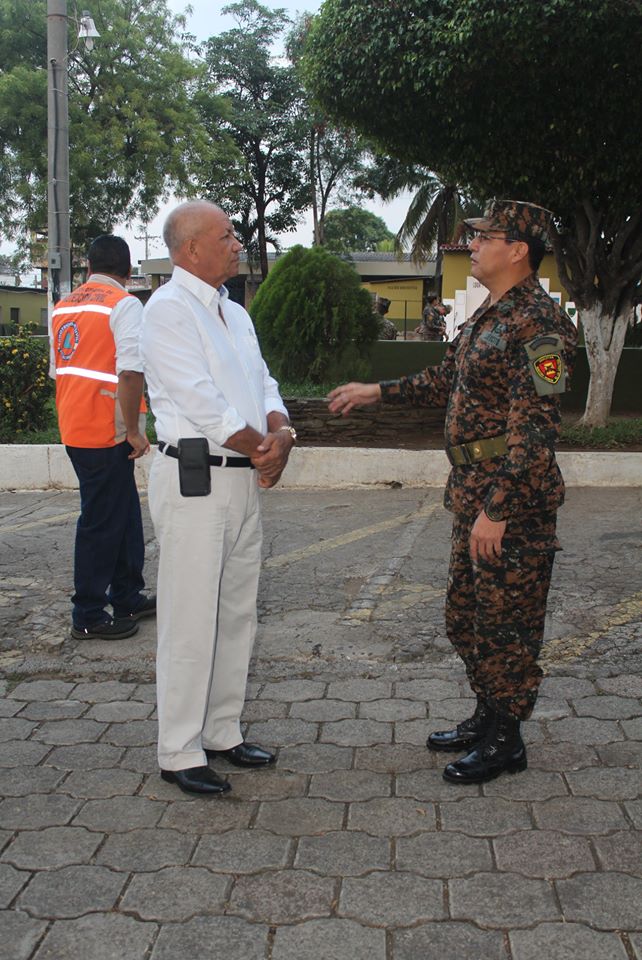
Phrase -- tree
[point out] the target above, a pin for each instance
(264, 118)
(538, 99)
(313, 317)
(354, 229)
(133, 129)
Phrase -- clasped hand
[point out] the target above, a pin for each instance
(271, 457)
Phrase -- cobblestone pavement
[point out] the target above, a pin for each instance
(352, 847)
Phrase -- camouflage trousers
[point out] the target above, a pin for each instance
(495, 611)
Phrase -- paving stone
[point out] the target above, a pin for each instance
(37, 810)
(120, 711)
(107, 782)
(626, 685)
(566, 688)
(11, 882)
(20, 781)
(319, 711)
(632, 728)
(350, 785)
(71, 892)
(119, 814)
(291, 690)
(329, 939)
(243, 851)
(484, 816)
(316, 758)
(283, 896)
(282, 733)
(9, 708)
(145, 692)
(614, 783)
(453, 709)
(265, 710)
(529, 785)
(620, 852)
(299, 817)
(5, 837)
(270, 784)
(391, 710)
(448, 941)
(3, 687)
(138, 851)
(143, 759)
(584, 730)
(416, 731)
(41, 690)
(356, 733)
(546, 708)
(427, 690)
(208, 815)
(608, 707)
(85, 756)
(392, 899)
(534, 732)
(105, 691)
(636, 943)
(18, 753)
(347, 854)
(608, 901)
(234, 939)
(54, 710)
(69, 731)
(565, 941)
(543, 853)
(562, 756)
(578, 815)
(19, 933)
(359, 690)
(52, 847)
(111, 936)
(443, 854)
(176, 893)
(625, 754)
(136, 733)
(395, 758)
(14, 728)
(430, 785)
(391, 817)
(506, 900)
(634, 811)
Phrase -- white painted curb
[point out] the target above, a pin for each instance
(31, 467)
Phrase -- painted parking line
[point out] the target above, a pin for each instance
(627, 611)
(44, 521)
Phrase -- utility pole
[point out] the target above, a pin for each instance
(146, 237)
(59, 244)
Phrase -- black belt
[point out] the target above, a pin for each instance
(170, 451)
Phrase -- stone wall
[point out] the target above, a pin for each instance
(376, 425)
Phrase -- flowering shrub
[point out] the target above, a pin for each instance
(25, 386)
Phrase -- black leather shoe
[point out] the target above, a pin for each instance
(466, 734)
(118, 629)
(244, 755)
(197, 780)
(147, 608)
(501, 751)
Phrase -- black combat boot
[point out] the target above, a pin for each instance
(502, 750)
(467, 733)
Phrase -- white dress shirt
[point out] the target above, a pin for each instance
(205, 375)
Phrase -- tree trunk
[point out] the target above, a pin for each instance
(603, 359)
(316, 237)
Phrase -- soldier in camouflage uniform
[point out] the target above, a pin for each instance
(500, 381)
(433, 324)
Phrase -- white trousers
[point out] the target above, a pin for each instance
(210, 554)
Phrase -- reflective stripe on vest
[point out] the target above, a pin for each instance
(61, 311)
(89, 374)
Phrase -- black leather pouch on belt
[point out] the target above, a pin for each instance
(194, 474)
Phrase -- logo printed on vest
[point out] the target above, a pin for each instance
(68, 337)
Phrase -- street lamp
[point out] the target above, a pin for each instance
(59, 243)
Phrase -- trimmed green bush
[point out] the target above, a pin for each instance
(25, 387)
(313, 318)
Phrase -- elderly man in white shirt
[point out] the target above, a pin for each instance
(223, 432)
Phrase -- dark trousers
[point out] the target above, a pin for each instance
(495, 611)
(110, 550)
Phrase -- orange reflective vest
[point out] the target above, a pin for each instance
(89, 413)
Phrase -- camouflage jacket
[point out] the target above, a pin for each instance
(502, 375)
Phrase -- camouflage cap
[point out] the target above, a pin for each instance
(521, 220)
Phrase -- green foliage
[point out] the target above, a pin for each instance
(619, 432)
(354, 229)
(25, 388)
(313, 318)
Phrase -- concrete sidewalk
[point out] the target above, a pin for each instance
(352, 847)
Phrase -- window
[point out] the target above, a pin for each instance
(14, 315)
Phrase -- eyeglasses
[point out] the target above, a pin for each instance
(482, 236)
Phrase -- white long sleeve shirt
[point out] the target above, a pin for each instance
(206, 377)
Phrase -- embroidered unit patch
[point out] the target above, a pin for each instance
(549, 367)
(546, 364)
(68, 337)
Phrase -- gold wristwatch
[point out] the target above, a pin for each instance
(290, 429)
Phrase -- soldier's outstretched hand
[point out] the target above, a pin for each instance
(343, 399)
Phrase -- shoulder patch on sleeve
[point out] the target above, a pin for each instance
(546, 364)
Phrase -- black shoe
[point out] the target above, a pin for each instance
(466, 734)
(197, 780)
(244, 755)
(106, 630)
(147, 608)
(501, 751)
